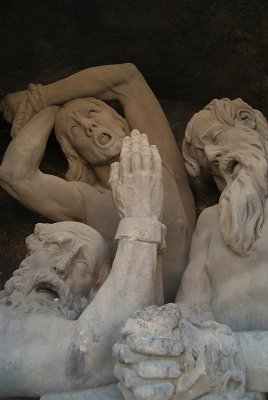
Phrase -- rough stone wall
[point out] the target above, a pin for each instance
(188, 50)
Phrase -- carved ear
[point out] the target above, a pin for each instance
(191, 165)
(103, 274)
(246, 117)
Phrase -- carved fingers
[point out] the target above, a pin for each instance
(136, 181)
(148, 379)
(164, 355)
(10, 104)
(114, 176)
(136, 155)
(150, 360)
(152, 345)
(125, 162)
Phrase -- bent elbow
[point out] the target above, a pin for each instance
(129, 67)
(131, 72)
(11, 176)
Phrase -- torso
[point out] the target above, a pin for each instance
(34, 343)
(239, 284)
(105, 220)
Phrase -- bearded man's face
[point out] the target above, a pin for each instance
(54, 278)
(235, 157)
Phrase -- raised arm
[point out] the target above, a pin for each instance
(123, 83)
(21, 177)
(137, 189)
(79, 352)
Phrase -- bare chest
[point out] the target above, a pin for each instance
(239, 284)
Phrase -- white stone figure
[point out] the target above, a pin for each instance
(59, 317)
(90, 134)
(214, 341)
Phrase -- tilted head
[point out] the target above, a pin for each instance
(66, 264)
(228, 139)
(90, 133)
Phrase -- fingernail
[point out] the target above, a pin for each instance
(135, 132)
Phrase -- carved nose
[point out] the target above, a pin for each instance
(91, 127)
(92, 124)
(59, 269)
(213, 153)
(54, 269)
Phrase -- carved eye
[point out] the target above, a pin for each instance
(216, 137)
(56, 246)
(81, 267)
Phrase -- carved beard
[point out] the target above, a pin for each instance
(242, 203)
(43, 293)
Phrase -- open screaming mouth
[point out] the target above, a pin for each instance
(48, 291)
(104, 138)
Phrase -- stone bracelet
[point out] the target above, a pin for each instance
(142, 230)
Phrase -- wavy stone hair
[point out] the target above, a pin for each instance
(225, 111)
(79, 169)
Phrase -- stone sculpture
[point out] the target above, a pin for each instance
(90, 134)
(214, 341)
(43, 349)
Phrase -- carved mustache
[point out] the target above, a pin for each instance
(51, 282)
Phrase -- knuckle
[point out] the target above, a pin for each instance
(126, 375)
(157, 391)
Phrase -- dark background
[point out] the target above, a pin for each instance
(189, 52)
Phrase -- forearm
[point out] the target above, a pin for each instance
(130, 284)
(254, 346)
(25, 152)
(129, 287)
(104, 82)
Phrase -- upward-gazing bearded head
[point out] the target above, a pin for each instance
(66, 264)
(228, 139)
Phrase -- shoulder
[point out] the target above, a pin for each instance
(208, 221)
(209, 213)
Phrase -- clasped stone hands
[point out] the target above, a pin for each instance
(163, 356)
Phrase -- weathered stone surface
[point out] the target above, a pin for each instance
(57, 322)
(217, 330)
(110, 392)
(187, 50)
(90, 133)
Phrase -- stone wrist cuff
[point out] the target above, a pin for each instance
(142, 230)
